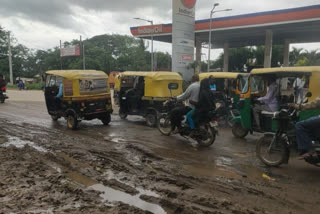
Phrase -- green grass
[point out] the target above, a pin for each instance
(34, 86)
(12, 87)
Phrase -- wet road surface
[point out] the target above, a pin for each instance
(127, 167)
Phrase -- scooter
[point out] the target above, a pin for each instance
(3, 94)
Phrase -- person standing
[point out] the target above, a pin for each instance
(298, 89)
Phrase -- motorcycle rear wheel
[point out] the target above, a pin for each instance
(209, 137)
(271, 153)
(164, 125)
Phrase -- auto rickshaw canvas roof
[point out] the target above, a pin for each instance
(156, 76)
(220, 75)
(286, 71)
(79, 74)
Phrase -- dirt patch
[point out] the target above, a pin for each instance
(78, 171)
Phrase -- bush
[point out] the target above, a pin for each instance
(12, 86)
(34, 86)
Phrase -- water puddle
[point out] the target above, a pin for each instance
(109, 194)
(110, 175)
(18, 143)
(114, 139)
(211, 171)
(224, 161)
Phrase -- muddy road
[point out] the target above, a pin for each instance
(127, 167)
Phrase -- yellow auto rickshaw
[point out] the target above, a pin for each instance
(85, 96)
(143, 93)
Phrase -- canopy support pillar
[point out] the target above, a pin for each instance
(268, 49)
(198, 54)
(226, 57)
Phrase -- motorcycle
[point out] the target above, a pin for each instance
(226, 112)
(273, 149)
(204, 135)
(3, 95)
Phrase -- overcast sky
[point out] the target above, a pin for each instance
(40, 24)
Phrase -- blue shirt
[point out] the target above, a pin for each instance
(213, 87)
(60, 93)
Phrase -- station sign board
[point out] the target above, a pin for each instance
(183, 16)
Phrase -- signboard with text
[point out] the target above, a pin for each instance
(155, 29)
(70, 51)
(183, 17)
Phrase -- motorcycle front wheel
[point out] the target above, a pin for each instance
(272, 150)
(164, 124)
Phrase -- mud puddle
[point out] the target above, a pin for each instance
(19, 143)
(211, 171)
(109, 195)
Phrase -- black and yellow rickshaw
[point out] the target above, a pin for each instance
(228, 83)
(227, 90)
(86, 96)
(257, 87)
(143, 93)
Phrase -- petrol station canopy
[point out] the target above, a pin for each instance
(299, 25)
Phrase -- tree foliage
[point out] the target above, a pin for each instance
(120, 53)
(105, 52)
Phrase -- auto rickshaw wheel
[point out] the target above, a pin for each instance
(55, 117)
(238, 131)
(151, 119)
(72, 122)
(122, 114)
(106, 119)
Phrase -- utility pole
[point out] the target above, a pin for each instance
(83, 55)
(10, 59)
(152, 34)
(60, 55)
(210, 31)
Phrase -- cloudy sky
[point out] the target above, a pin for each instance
(40, 24)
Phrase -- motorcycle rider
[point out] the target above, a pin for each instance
(3, 83)
(206, 102)
(306, 130)
(191, 95)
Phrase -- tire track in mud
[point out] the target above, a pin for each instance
(126, 165)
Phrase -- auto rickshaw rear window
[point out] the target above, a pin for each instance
(92, 86)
